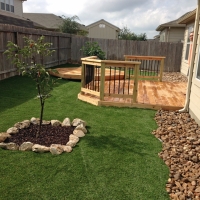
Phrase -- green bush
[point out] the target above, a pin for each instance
(93, 49)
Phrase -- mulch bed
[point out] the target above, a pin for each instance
(49, 135)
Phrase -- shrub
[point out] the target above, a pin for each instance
(93, 49)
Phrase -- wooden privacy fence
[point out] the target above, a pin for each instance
(151, 67)
(61, 43)
(116, 49)
(105, 78)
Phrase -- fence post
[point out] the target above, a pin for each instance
(135, 88)
(102, 82)
(58, 51)
(161, 69)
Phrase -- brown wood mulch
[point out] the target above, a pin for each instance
(49, 135)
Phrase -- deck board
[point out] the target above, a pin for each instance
(151, 94)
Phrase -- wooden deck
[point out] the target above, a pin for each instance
(75, 73)
(153, 95)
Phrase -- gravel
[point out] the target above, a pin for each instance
(174, 77)
(180, 137)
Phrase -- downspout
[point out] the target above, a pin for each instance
(188, 92)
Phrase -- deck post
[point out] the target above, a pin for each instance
(135, 88)
(102, 82)
(126, 69)
(161, 69)
(83, 76)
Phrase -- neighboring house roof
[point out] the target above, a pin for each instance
(173, 23)
(101, 22)
(11, 18)
(188, 17)
(45, 20)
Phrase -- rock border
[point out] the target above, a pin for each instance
(55, 149)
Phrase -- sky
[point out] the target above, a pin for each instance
(140, 16)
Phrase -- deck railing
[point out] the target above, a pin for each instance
(151, 67)
(106, 78)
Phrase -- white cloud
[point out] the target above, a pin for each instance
(140, 16)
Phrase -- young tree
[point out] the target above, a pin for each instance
(126, 34)
(70, 25)
(30, 61)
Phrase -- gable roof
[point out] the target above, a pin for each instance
(105, 22)
(188, 17)
(46, 20)
(173, 23)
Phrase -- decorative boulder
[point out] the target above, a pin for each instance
(12, 130)
(26, 146)
(9, 146)
(56, 149)
(71, 143)
(35, 120)
(67, 149)
(4, 136)
(78, 121)
(82, 128)
(55, 123)
(3, 145)
(44, 122)
(66, 122)
(73, 138)
(23, 124)
(78, 133)
(40, 148)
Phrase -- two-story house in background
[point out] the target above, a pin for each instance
(11, 12)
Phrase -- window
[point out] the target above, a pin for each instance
(11, 6)
(102, 25)
(190, 29)
(7, 5)
(2, 4)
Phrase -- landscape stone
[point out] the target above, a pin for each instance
(26, 146)
(55, 123)
(67, 149)
(71, 143)
(78, 121)
(56, 149)
(40, 148)
(78, 133)
(9, 146)
(73, 138)
(23, 124)
(12, 130)
(4, 136)
(44, 122)
(35, 120)
(81, 127)
(66, 122)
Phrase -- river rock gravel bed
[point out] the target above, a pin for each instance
(174, 77)
(180, 137)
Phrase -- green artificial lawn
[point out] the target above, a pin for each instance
(116, 160)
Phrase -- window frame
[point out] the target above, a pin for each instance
(190, 29)
(7, 5)
(196, 80)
